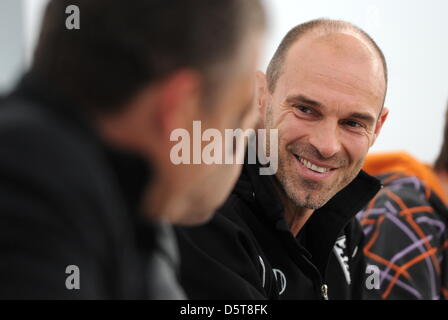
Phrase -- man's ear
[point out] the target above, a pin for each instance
(379, 124)
(178, 102)
(261, 94)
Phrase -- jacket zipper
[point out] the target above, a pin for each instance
(324, 291)
(319, 285)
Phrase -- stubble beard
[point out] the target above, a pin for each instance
(307, 193)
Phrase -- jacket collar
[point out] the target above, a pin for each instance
(326, 223)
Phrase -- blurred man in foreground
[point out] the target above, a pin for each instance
(86, 181)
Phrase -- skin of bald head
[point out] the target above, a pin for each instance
(318, 27)
(327, 104)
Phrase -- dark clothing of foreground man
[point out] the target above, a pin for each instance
(66, 199)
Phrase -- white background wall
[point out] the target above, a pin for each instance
(412, 34)
(32, 11)
(11, 42)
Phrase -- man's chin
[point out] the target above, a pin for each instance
(310, 201)
(309, 204)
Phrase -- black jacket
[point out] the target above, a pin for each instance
(248, 252)
(68, 199)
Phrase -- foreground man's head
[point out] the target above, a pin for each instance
(145, 68)
(324, 90)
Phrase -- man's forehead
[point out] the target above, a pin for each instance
(333, 81)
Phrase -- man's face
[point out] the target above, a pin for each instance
(206, 186)
(327, 106)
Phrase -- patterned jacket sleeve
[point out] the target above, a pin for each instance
(406, 238)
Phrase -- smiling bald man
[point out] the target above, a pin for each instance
(294, 235)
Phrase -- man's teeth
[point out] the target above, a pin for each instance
(312, 166)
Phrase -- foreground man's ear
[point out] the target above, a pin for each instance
(379, 124)
(178, 102)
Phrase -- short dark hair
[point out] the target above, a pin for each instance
(123, 45)
(325, 25)
(441, 163)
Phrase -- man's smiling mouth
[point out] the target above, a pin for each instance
(312, 166)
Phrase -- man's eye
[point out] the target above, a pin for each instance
(353, 124)
(304, 109)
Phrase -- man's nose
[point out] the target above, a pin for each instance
(325, 139)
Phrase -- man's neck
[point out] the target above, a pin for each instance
(295, 216)
(162, 202)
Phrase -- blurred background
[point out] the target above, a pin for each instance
(412, 34)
